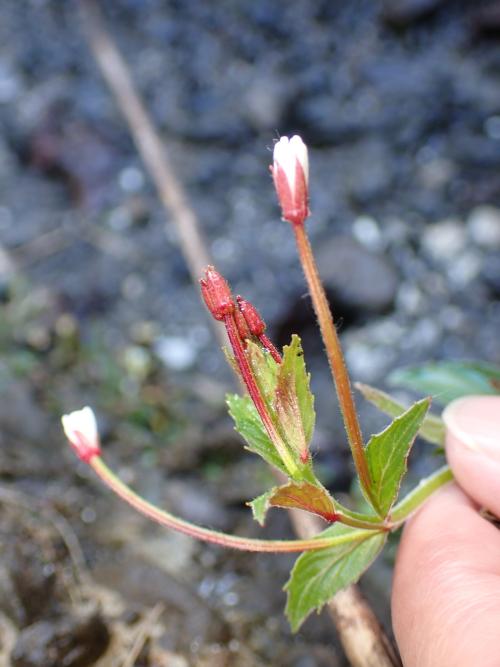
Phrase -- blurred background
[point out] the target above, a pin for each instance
(399, 102)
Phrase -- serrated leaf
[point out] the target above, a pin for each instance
(249, 425)
(318, 575)
(292, 374)
(297, 495)
(449, 380)
(387, 453)
(432, 428)
(285, 390)
(260, 505)
(265, 371)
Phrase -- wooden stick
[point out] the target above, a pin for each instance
(362, 637)
(148, 142)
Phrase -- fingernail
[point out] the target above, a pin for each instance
(474, 421)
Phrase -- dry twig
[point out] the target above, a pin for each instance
(148, 142)
(143, 634)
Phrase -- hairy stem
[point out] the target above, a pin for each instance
(420, 494)
(335, 356)
(234, 542)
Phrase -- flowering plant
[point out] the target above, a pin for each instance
(276, 419)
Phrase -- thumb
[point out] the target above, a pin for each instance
(473, 447)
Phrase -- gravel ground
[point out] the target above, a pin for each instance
(399, 102)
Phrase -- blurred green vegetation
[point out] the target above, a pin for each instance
(67, 365)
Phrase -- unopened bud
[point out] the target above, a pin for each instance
(290, 170)
(254, 321)
(216, 294)
(243, 330)
(80, 427)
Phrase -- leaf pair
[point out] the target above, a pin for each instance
(318, 575)
(288, 398)
(289, 402)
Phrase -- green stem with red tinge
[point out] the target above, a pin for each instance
(234, 542)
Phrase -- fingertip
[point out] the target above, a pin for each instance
(443, 548)
(473, 447)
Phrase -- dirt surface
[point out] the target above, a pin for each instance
(400, 105)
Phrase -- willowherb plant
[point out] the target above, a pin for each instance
(276, 419)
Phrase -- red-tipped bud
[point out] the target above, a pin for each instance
(243, 330)
(254, 321)
(80, 427)
(216, 294)
(290, 170)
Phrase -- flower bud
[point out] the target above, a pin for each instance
(243, 330)
(290, 171)
(216, 294)
(254, 321)
(80, 427)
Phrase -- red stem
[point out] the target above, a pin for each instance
(255, 395)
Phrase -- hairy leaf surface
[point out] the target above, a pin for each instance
(387, 453)
(249, 425)
(318, 575)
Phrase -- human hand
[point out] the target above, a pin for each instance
(446, 593)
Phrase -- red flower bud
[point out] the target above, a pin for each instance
(243, 330)
(290, 171)
(254, 321)
(216, 294)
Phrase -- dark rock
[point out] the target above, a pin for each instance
(485, 21)
(70, 641)
(358, 279)
(402, 13)
(491, 274)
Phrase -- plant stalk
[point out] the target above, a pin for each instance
(335, 356)
(420, 494)
(215, 537)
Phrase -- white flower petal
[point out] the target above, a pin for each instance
(82, 421)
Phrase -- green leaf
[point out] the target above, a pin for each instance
(285, 390)
(387, 453)
(304, 496)
(318, 575)
(294, 379)
(265, 371)
(249, 425)
(312, 498)
(432, 428)
(449, 380)
(260, 505)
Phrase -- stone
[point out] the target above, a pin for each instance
(483, 225)
(175, 352)
(443, 240)
(402, 13)
(357, 278)
(491, 274)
